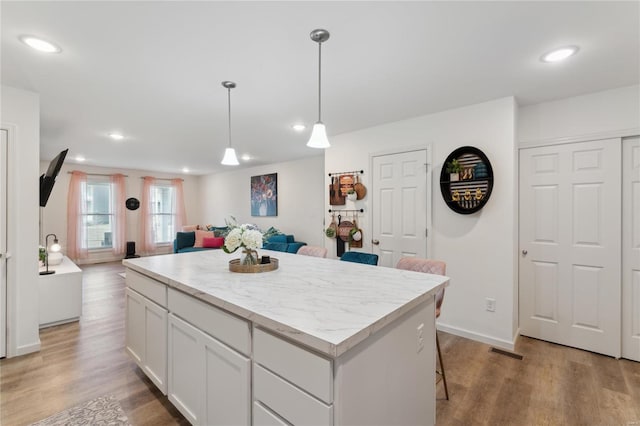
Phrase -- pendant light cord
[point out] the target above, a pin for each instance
(229, 99)
(319, 82)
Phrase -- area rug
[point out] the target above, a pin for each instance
(101, 411)
(122, 274)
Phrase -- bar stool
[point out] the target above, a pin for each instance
(429, 266)
(313, 251)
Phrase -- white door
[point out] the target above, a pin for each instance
(134, 338)
(227, 385)
(155, 347)
(570, 238)
(631, 249)
(399, 206)
(186, 369)
(3, 243)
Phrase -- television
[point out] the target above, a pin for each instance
(49, 177)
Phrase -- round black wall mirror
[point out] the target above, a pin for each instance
(132, 203)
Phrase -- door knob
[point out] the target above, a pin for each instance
(375, 242)
(524, 252)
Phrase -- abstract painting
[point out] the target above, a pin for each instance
(264, 195)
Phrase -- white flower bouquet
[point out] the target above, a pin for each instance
(247, 237)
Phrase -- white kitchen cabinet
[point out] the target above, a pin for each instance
(146, 331)
(146, 337)
(186, 362)
(134, 322)
(208, 381)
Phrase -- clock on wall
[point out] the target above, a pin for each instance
(466, 180)
(132, 203)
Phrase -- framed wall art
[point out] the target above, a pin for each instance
(264, 195)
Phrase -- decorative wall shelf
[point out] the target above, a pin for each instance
(471, 190)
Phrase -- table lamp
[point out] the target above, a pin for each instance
(55, 247)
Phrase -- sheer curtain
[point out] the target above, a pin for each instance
(118, 200)
(146, 213)
(179, 214)
(76, 208)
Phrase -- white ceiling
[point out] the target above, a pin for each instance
(152, 70)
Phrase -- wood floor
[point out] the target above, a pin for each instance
(552, 385)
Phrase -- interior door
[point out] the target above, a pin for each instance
(570, 239)
(3, 242)
(631, 249)
(399, 206)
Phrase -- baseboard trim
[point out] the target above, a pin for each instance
(27, 349)
(516, 336)
(478, 337)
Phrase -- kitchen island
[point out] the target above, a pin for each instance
(317, 341)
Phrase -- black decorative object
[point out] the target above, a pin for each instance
(132, 203)
(466, 180)
(131, 249)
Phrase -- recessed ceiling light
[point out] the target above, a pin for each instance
(80, 158)
(298, 127)
(185, 170)
(40, 44)
(246, 157)
(560, 54)
(116, 136)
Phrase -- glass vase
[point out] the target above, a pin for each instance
(249, 257)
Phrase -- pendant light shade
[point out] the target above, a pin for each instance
(229, 158)
(318, 137)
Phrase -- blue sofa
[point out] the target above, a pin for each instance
(284, 243)
(184, 243)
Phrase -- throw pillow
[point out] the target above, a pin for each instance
(220, 231)
(185, 239)
(189, 228)
(200, 235)
(212, 242)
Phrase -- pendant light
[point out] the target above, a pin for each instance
(318, 137)
(229, 158)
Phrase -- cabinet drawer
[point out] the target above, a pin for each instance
(148, 287)
(294, 405)
(263, 417)
(311, 372)
(225, 327)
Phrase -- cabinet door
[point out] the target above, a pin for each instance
(134, 323)
(186, 384)
(227, 384)
(155, 352)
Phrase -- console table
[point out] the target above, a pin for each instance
(60, 294)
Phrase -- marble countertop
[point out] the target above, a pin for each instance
(326, 304)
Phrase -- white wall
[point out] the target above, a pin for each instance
(54, 214)
(586, 117)
(20, 113)
(480, 249)
(300, 198)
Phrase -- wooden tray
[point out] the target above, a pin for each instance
(235, 266)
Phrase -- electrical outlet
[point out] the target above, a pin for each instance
(490, 304)
(420, 338)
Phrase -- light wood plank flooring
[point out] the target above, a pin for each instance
(552, 385)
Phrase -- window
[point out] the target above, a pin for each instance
(98, 217)
(163, 213)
